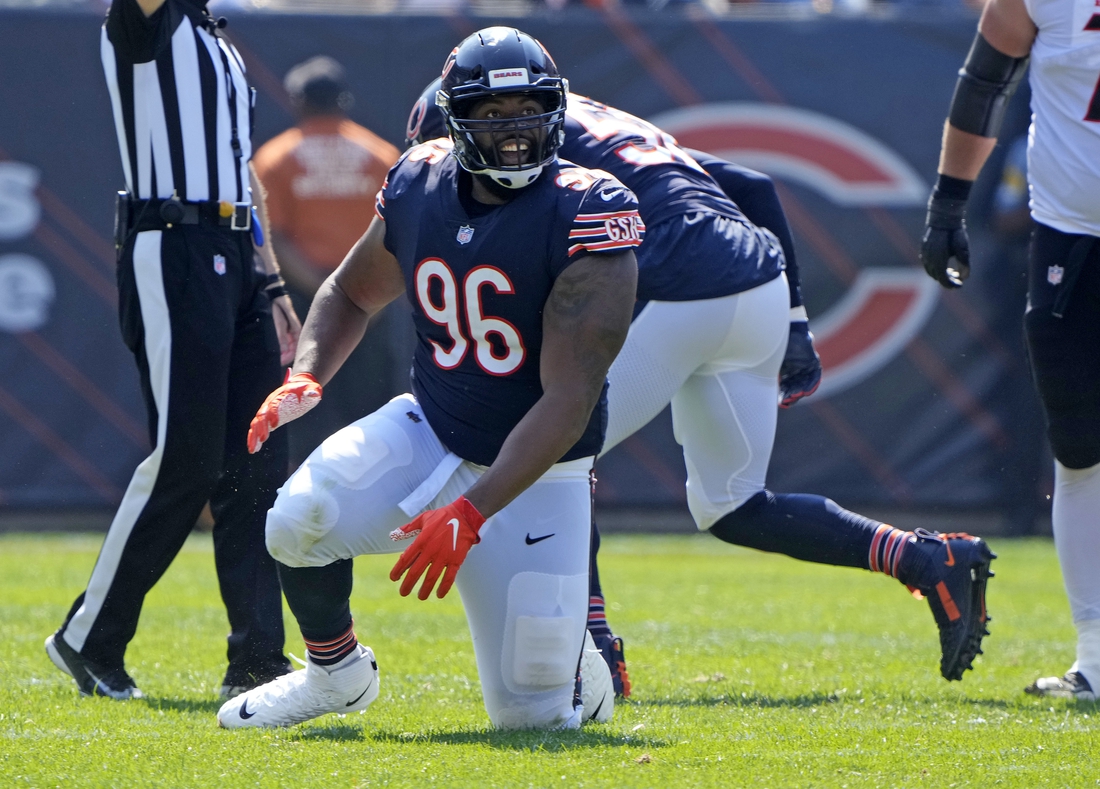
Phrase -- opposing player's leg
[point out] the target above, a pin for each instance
(525, 589)
(1063, 332)
(352, 491)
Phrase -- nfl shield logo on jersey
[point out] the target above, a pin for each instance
(465, 233)
(219, 264)
(1054, 275)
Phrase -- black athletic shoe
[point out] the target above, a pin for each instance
(1072, 686)
(954, 580)
(611, 649)
(238, 681)
(91, 678)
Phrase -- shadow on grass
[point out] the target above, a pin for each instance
(210, 706)
(338, 732)
(744, 700)
(590, 737)
(1030, 704)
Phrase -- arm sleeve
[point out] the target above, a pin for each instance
(136, 37)
(754, 193)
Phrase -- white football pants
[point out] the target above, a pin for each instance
(717, 361)
(524, 586)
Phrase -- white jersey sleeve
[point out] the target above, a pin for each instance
(1064, 138)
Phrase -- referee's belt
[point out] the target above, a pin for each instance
(165, 213)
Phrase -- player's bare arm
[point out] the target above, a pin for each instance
(367, 280)
(996, 63)
(1006, 26)
(585, 323)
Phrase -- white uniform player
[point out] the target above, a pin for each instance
(517, 324)
(1062, 322)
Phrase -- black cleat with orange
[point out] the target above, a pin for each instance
(951, 571)
(611, 648)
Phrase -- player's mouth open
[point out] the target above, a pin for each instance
(513, 150)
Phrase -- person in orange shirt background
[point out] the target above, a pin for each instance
(321, 178)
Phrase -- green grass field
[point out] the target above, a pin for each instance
(749, 669)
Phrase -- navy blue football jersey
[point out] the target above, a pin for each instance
(681, 261)
(478, 284)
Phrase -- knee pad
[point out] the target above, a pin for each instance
(543, 657)
(303, 514)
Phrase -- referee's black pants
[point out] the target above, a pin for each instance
(194, 313)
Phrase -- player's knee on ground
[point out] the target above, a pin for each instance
(540, 655)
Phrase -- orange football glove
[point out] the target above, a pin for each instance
(299, 393)
(443, 538)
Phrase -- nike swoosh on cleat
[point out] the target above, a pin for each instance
(245, 714)
(950, 560)
(361, 695)
(453, 523)
(596, 712)
(531, 541)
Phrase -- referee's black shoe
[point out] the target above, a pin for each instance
(91, 678)
(238, 681)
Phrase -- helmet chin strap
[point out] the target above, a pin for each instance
(513, 179)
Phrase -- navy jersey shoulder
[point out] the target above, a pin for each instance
(478, 283)
(665, 179)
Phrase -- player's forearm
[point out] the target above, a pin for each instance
(333, 328)
(553, 425)
(964, 154)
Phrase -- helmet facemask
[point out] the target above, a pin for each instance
(512, 151)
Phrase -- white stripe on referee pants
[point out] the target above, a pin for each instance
(110, 70)
(158, 351)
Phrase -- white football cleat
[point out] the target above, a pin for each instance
(1072, 686)
(306, 694)
(597, 689)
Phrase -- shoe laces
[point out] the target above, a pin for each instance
(937, 536)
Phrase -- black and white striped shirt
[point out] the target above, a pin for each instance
(180, 99)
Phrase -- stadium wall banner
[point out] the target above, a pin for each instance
(925, 401)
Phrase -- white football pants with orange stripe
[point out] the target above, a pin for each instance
(717, 361)
(524, 586)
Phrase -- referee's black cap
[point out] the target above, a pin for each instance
(319, 84)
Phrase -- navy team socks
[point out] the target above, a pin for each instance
(319, 599)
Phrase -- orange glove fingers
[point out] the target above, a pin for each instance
(419, 565)
(258, 432)
(447, 582)
(298, 394)
(434, 571)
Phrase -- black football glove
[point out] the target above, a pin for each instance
(800, 374)
(945, 248)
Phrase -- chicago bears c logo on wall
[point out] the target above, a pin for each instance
(885, 307)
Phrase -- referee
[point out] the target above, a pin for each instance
(198, 316)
